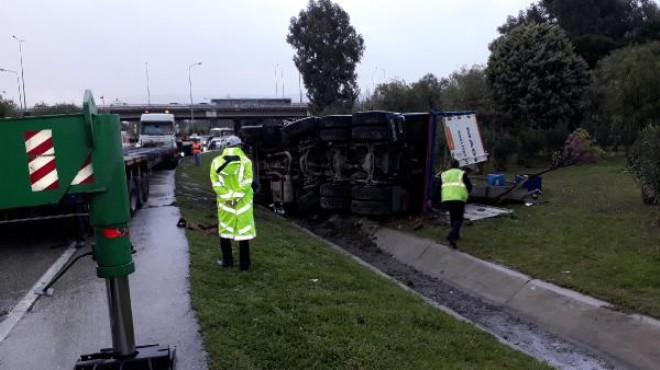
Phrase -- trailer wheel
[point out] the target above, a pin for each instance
(302, 127)
(374, 118)
(133, 197)
(377, 193)
(336, 204)
(371, 133)
(333, 190)
(371, 208)
(335, 134)
(144, 188)
(335, 121)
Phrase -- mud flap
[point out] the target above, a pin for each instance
(151, 357)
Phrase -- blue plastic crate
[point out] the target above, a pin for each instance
(496, 179)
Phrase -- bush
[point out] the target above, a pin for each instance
(530, 144)
(503, 146)
(644, 163)
(579, 148)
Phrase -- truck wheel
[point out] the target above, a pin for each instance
(333, 190)
(371, 133)
(303, 127)
(374, 118)
(144, 188)
(371, 208)
(380, 193)
(308, 201)
(133, 198)
(336, 204)
(335, 134)
(335, 121)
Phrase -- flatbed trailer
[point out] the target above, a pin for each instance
(138, 162)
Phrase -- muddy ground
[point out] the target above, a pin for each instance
(355, 235)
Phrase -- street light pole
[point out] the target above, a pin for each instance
(146, 71)
(18, 84)
(20, 52)
(190, 86)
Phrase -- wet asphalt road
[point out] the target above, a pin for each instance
(75, 321)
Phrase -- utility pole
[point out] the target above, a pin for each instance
(300, 85)
(276, 65)
(190, 86)
(146, 71)
(20, 52)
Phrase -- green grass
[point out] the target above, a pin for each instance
(305, 306)
(591, 234)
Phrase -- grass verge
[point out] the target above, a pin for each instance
(303, 305)
(591, 234)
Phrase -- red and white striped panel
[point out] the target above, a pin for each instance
(86, 173)
(41, 160)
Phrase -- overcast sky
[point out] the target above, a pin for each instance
(72, 45)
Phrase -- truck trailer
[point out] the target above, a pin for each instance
(373, 163)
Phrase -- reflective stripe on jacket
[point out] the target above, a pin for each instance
(233, 188)
(453, 187)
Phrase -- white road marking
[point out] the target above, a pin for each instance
(24, 305)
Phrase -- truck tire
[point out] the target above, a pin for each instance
(144, 188)
(252, 133)
(373, 118)
(376, 193)
(335, 121)
(308, 201)
(306, 127)
(371, 208)
(371, 133)
(334, 190)
(335, 134)
(133, 197)
(335, 204)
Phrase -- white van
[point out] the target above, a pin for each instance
(157, 129)
(218, 139)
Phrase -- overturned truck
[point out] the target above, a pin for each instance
(372, 163)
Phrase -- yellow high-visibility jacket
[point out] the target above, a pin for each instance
(233, 187)
(453, 187)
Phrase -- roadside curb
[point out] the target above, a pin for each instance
(429, 301)
(629, 339)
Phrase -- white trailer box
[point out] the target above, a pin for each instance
(464, 138)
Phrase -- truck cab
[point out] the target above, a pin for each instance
(157, 129)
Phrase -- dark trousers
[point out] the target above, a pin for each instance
(228, 256)
(456, 210)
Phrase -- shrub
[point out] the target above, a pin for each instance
(530, 144)
(503, 146)
(644, 163)
(579, 148)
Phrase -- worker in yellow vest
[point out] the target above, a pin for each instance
(456, 188)
(231, 177)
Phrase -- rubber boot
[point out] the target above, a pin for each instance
(244, 251)
(227, 256)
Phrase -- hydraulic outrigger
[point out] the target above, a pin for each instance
(49, 157)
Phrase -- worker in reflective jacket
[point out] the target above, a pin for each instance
(196, 150)
(456, 188)
(231, 177)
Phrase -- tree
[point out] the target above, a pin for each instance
(536, 78)
(468, 89)
(643, 159)
(328, 49)
(43, 109)
(596, 28)
(627, 91)
(399, 96)
(8, 108)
